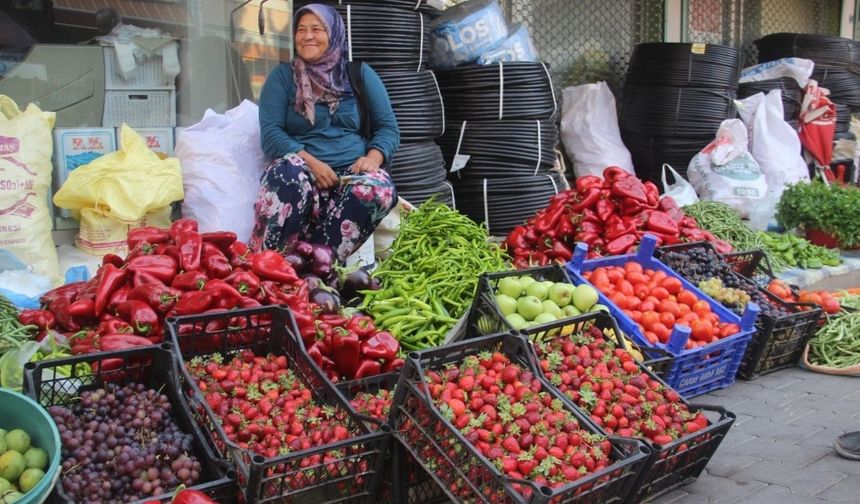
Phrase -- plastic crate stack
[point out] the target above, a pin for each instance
(400, 54)
(145, 99)
(675, 97)
(499, 141)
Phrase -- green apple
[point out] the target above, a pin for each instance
(598, 306)
(571, 311)
(510, 286)
(548, 284)
(538, 290)
(545, 318)
(529, 307)
(506, 304)
(561, 294)
(516, 320)
(5, 486)
(551, 307)
(525, 281)
(584, 297)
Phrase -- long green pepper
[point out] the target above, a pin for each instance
(837, 343)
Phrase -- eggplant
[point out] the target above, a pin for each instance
(322, 261)
(304, 249)
(328, 301)
(357, 280)
(313, 281)
(297, 262)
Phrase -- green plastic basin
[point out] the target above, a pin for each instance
(18, 411)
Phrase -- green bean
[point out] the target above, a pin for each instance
(837, 343)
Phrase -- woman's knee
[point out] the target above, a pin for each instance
(288, 171)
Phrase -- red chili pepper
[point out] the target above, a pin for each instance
(238, 253)
(246, 282)
(652, 193)
(381, 345)
(270, 265)
(367, 368)
(113, 259)
(114, 342)
(113, 325)
(362, 325)
(82, 309)
(549, 219)
(583, 183)
(225, 295)
(586, 200)
(68, 291)
(157, 295)
(119, 296)
(620, 244)
(147, 234)
(661, 222)
(515, 239)
(181, 225)
(189, 281)
(161, 267)
(221, 239)
(190, 245)
(194, 302)
(393, 365)
(112, 278)
(629, 187)
(42, 319)
(605, 208)
(612, 173)
(346, 351)
(141, 316)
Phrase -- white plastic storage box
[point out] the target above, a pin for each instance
(140, 108)
(159, 140)
(147, 73)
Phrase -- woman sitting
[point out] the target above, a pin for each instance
(325, 184)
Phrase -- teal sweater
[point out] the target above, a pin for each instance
(335, 138)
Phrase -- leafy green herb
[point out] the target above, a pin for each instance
(833, 209)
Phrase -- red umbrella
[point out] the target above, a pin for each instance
(817, 124)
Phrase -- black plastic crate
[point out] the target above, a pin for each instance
(752, 264)
(348, 471)
(222, 491)
(486, 318)
(151, 366)
(403, 480)
(677, 463)
(455, 464)
(778, 342)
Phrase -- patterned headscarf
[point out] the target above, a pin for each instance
(326, 79)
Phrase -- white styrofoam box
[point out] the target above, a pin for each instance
(140, 108)
(159, 140)
(364, 256)
(148, 73)
(74, 147)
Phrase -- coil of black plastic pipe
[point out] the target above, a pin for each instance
(843, 84)
(417, 104)
(675, 111)
(409, 5)
(790, 89)
(684, 64)
(822, 49)
(442, 192)
(516, 90)
(843, 118)
(649, 153)
(501, 148)
(417, 166)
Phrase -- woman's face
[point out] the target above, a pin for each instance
(311, 38)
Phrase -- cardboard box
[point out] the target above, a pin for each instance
(159, 140)
(74, 147)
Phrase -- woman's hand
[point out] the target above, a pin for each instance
(324, 176)
(365, 165)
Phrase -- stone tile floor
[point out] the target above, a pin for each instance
(780, 449)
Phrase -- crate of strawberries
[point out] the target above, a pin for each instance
(658, 308)
(262, 403)
(588, 363)
(144, 444)
(527, 300)
(782, 328)
(476, 415)
(403, 480)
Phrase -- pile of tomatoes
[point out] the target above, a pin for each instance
(824, 299)
(657, 302)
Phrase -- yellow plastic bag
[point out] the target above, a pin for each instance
(125, 185)
(25, 182)
(101, 234)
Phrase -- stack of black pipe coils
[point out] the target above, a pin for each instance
(675, 96)
(393, 37)
(837, 61)
(792, 95)
(843, 123)
(499, 141)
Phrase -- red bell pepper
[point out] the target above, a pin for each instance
(515, 239)
(629, 187)
(661, 222)
(566, 228)
(616, 227)
(121, 341)
(192, 302)
(217, 266)
(225, 295)
(393, 365)
(238, 253)
(560, 252)
(189, 281)
(119, 296)
(43, 319)
(143, 278)
(190, 245)
(587, 199)
(157, 295)
(271, 265)
(315, 354)
(68, 291)
(246, 282)
(605, 208)
(82, 309)
(583, 183)
(65, 320)
(221, 239)
(693, 234)
(346, 351)
(586, 237)
(181, 225)
(247, 302)
(620, 244)
(381, 345)
(722, 246)
(191, 496)
(630, 206)
(305, 323)
(113, 325)
(113, 259)
(367, 368)
(170, 250)
(549, 218)
(112, 278)
(144, 249)
(652, 193)
(161, 267)
(147, 234)
(141, 316)
(665, 238)
(613, 173)
(590, 227)
(362, 325)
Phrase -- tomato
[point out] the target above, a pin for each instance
(688, 318)
(659, 293)
(684, 308)
(701, 330)
(661, 331)
(672, 284)
(634, 303)
(651, 337)
(831, 305)
(635, 314)
(670, 307)
(619, 299)
(728, 329)
(810, 297)
(633, 267)
(649, 318)
(667, 319)
(614, 274)
(701, 306)
(599, 278)
(625, 287)
(687, 297)
(659, 276)
(641, 290)
(635, 277)
(648, 306)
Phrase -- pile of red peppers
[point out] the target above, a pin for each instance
(181, 271)
(610, 214)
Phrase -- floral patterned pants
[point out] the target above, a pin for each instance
(291, 207)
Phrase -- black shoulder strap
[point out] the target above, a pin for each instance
(358, 90)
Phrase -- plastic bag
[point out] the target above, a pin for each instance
(797, 68)
(101, 234)
(775, 147)
(589, 130)
(125, 185)
(725, 171)
(681, 190)
(26, 145)
(517, 47)
(466, 31)
(221, 167)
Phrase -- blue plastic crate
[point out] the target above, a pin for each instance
(693, 372)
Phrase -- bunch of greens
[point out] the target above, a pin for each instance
(833, 209)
